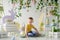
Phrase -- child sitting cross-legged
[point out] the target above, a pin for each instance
(29, 27)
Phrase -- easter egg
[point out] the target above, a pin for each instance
(22, 34)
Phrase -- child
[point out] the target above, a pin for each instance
(29, 27)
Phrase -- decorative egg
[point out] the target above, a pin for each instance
(22, 34)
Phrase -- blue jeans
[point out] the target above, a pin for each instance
(32, 34)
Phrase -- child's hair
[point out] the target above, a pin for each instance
(31, 18)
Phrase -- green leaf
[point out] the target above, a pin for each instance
(53, 20)
(17, 16)
(20, 8)
(0, 17)
(12, 1)
(1, 8)
(59, 21)
(16, 0)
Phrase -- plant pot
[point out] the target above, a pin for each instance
(54, 34)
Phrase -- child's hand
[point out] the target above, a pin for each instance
(27, 37)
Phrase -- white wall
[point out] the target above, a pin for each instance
(7, 6)
(23, 19)
(32, 13)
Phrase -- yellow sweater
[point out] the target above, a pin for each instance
(29, 27)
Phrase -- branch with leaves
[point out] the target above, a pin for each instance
(28, 3)
(13, 1)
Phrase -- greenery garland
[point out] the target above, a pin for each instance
(39, 4)
(55, 13)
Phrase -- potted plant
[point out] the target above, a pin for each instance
(54, 26)
(55, 31)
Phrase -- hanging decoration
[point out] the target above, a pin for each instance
(21, 4)
(54, 2)
(18, 15)
(14, 3)
(28, 3)
(56, 14)
(16, 7)
(48, 3)
(34, 2)
(40, 5)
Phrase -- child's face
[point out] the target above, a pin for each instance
(30, 20)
